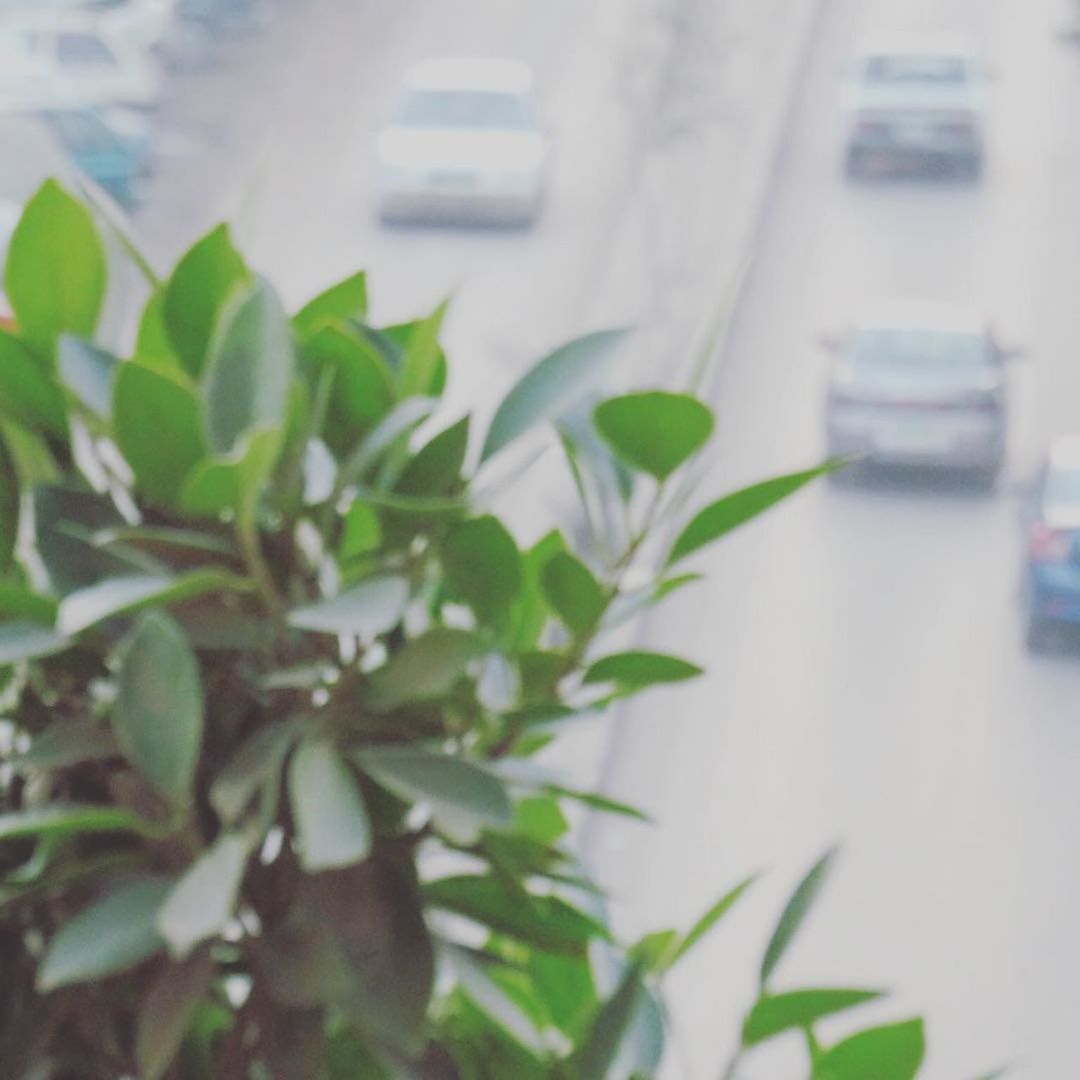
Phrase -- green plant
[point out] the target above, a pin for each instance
(275, 674)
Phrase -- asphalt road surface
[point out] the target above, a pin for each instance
(868, 682)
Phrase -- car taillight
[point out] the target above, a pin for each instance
(1047, 545)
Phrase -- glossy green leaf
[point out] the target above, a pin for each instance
(253, 770)
(179, 543)
(345, 300)
(67, 742)
(711, 918)
(654, 951)
(482, 567)
(728, 513)
(66, 819)
(775, 1013)
(230, 482)
(167, 1011)
(332, 823)
(362, 392)
(10, 505)
(795, 911)
(390, 430)
(361, 532)
(655, 431)
(29, 641)
(157, 426)
(88, 372)
(28, 393)
(204, 279)
(640, 669)
(546, 922)
(602, 803)
(157, 717)
(427, 668)
(112, 935)
(529, 614)
(202, 902)
(115, 596)
(436, 467)
(597, 1055)
(374, 606)
(419, 366)
(55, 273)
(552, 386)
(19, 602)
(573, 593)
(894, 1052)
(455, 789)
(246, 384)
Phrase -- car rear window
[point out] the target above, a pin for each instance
(917, 70)
(464, 109)
(920, 351)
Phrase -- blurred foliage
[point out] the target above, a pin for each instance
(275, 679)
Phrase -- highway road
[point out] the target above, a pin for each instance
(867, 680)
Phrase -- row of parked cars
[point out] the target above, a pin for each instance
(919, 385)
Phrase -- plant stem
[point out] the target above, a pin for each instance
(247, 534)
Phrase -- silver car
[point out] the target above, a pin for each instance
(916, 102)
(465, 146)
(919, 385)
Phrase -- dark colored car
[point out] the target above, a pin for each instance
(1052, 523)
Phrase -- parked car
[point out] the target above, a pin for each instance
(73, 61)
(465, 145)
(1052, 526)
(919, 384)
(916, 102)
(113, 146)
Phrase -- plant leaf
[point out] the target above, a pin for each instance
(640, 669)
(419, 366)
(346, 300)
(361, 532)
(62, 819)
(374, 606)
(775, 1013)
(573, 593)
(19, 602)
(546, 922)
(466, 794)
(209, 272)
(157, 426)
(894, 1052)
(28, 394)
(246, 384)
(482, 567)
(67, 742)
(529, 614)
(394, 426)
(167, 1011)
(87, 372)
(552, 386)
(157, 717)
(654, 431)
(332, 823)
(28, 641)
(427, 668)
(202, 901)
(113, 934)
(729, 512)
(599, 1051)
(794, 913)
(255, 767)
(711, 918)
(595, 801)
(55, 275)
(436, 467)
(10, 505)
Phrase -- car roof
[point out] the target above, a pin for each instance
(908, 43)
(471, 73)
(904, 314)
(1064, 453)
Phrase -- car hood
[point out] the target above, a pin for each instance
(899, 386)
(439, 148)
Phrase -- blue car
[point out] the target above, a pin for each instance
(1052, 519)
(113, 147)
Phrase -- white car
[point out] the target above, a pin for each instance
(74, 61)
(464, 146)
(919, 384)
(916, 102)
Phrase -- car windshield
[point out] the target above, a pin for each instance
(464, 109)
(919, 353)
(917, 70)
(1063, 486)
